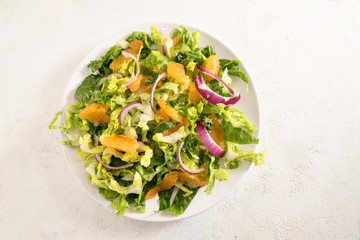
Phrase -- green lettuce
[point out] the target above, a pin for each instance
(174, 87)
(141, 36)
(237, 118)
(212, 164)
(238, 135)
(208, 51)
(108, 194)
(156, 35)
(164, 199)
(233, 68)
(102, 65)
(120, 205)
(181, 202)
(186, 39)
(86, 91)
(155, 58)
(234, 155)
(146, 158)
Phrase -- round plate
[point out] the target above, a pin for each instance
(248, 104)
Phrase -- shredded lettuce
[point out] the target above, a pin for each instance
(120, 205)
(234, 155)
(155, 58)
(156, 35)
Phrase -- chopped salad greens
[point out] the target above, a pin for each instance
(155, 115)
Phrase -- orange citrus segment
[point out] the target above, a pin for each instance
(177, 71)
(217, 132)
(168, 182)
(142, 86)
(212, 64)
(194, 95)
(95, 113)
(176, 40)
(121, 143)
(163, 115)
(192, 180)
(134, 86)
(134, 48)
(168, 110)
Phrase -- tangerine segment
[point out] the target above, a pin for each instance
(134, 48)
(134, 86)
(142, 87)
(217, 132)
(176, 40)
(168, 182)
(163, 115)
(177, 71)
(194, 95)
(121, 143)
(192, 180)
(95, 113)
(171, 112)
(212, 64)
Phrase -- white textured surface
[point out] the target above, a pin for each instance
(304, 58)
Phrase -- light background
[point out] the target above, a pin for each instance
(304, 57)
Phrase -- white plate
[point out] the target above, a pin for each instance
(248, 104)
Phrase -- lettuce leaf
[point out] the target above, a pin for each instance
(164, 199)
(108, 194)
(156, 35)
(181, 202)
(237, 118)
(196, 37)
(146, 158)
(141, 36)
(208, 51)
(187, 39)
(120, 205)
(233, 68)
(234, 155)
(102, 65)
(155, 58)
(86, 91)
(238, 135)
(186, 55)
(212, 164)
(174, 87)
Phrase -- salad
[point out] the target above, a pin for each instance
(154, 118)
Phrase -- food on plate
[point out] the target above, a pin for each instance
(155, 117)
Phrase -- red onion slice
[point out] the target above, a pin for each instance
(211, 96)
(133, 78)
(99, 160)
(114, 74)
(209, 143)
(207, 72)
(162, 75)
(126, 109)
(183, 166)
